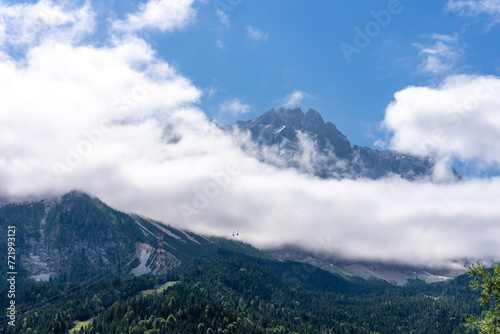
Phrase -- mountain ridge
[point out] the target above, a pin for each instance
(288, 138)
(76, 236)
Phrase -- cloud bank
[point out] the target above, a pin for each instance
(458, 118)
(120, 123)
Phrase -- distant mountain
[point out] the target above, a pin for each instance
(77, 236)
(289, 138)
(399, 274)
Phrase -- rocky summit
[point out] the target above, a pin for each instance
(288, 138)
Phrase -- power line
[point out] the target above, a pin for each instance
(64, 295)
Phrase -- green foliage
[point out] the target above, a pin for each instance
(487, 282)
(88, 235)
(239, 294)
(77, 216)
(45, 307)
(24, 216)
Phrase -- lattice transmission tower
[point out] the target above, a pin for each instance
(161, 268)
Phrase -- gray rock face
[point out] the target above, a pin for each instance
(399, 274)
(289, 138)
(76, 236)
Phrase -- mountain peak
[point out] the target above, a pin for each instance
(313, 114)
(282, 116)
(331, 155)
(313, 122)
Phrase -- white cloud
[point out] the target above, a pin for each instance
(441, 55)
(430, 224)
(380, 144)
(212, 90)
(476, 7)
(294, 99)
(24, 25)
(223, 18)
(162, 15)
(459, 118)
(63, 98)
(256, 34)
(234, 107)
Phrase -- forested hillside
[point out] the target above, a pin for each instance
(236, 293)
(240, 295)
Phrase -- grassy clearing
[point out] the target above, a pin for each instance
(79, 325)
(159, 290)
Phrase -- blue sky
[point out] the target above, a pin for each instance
(299, 50)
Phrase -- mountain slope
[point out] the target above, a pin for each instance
(399, 274)
(289, 138)
(77, 236)
(73, 237)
